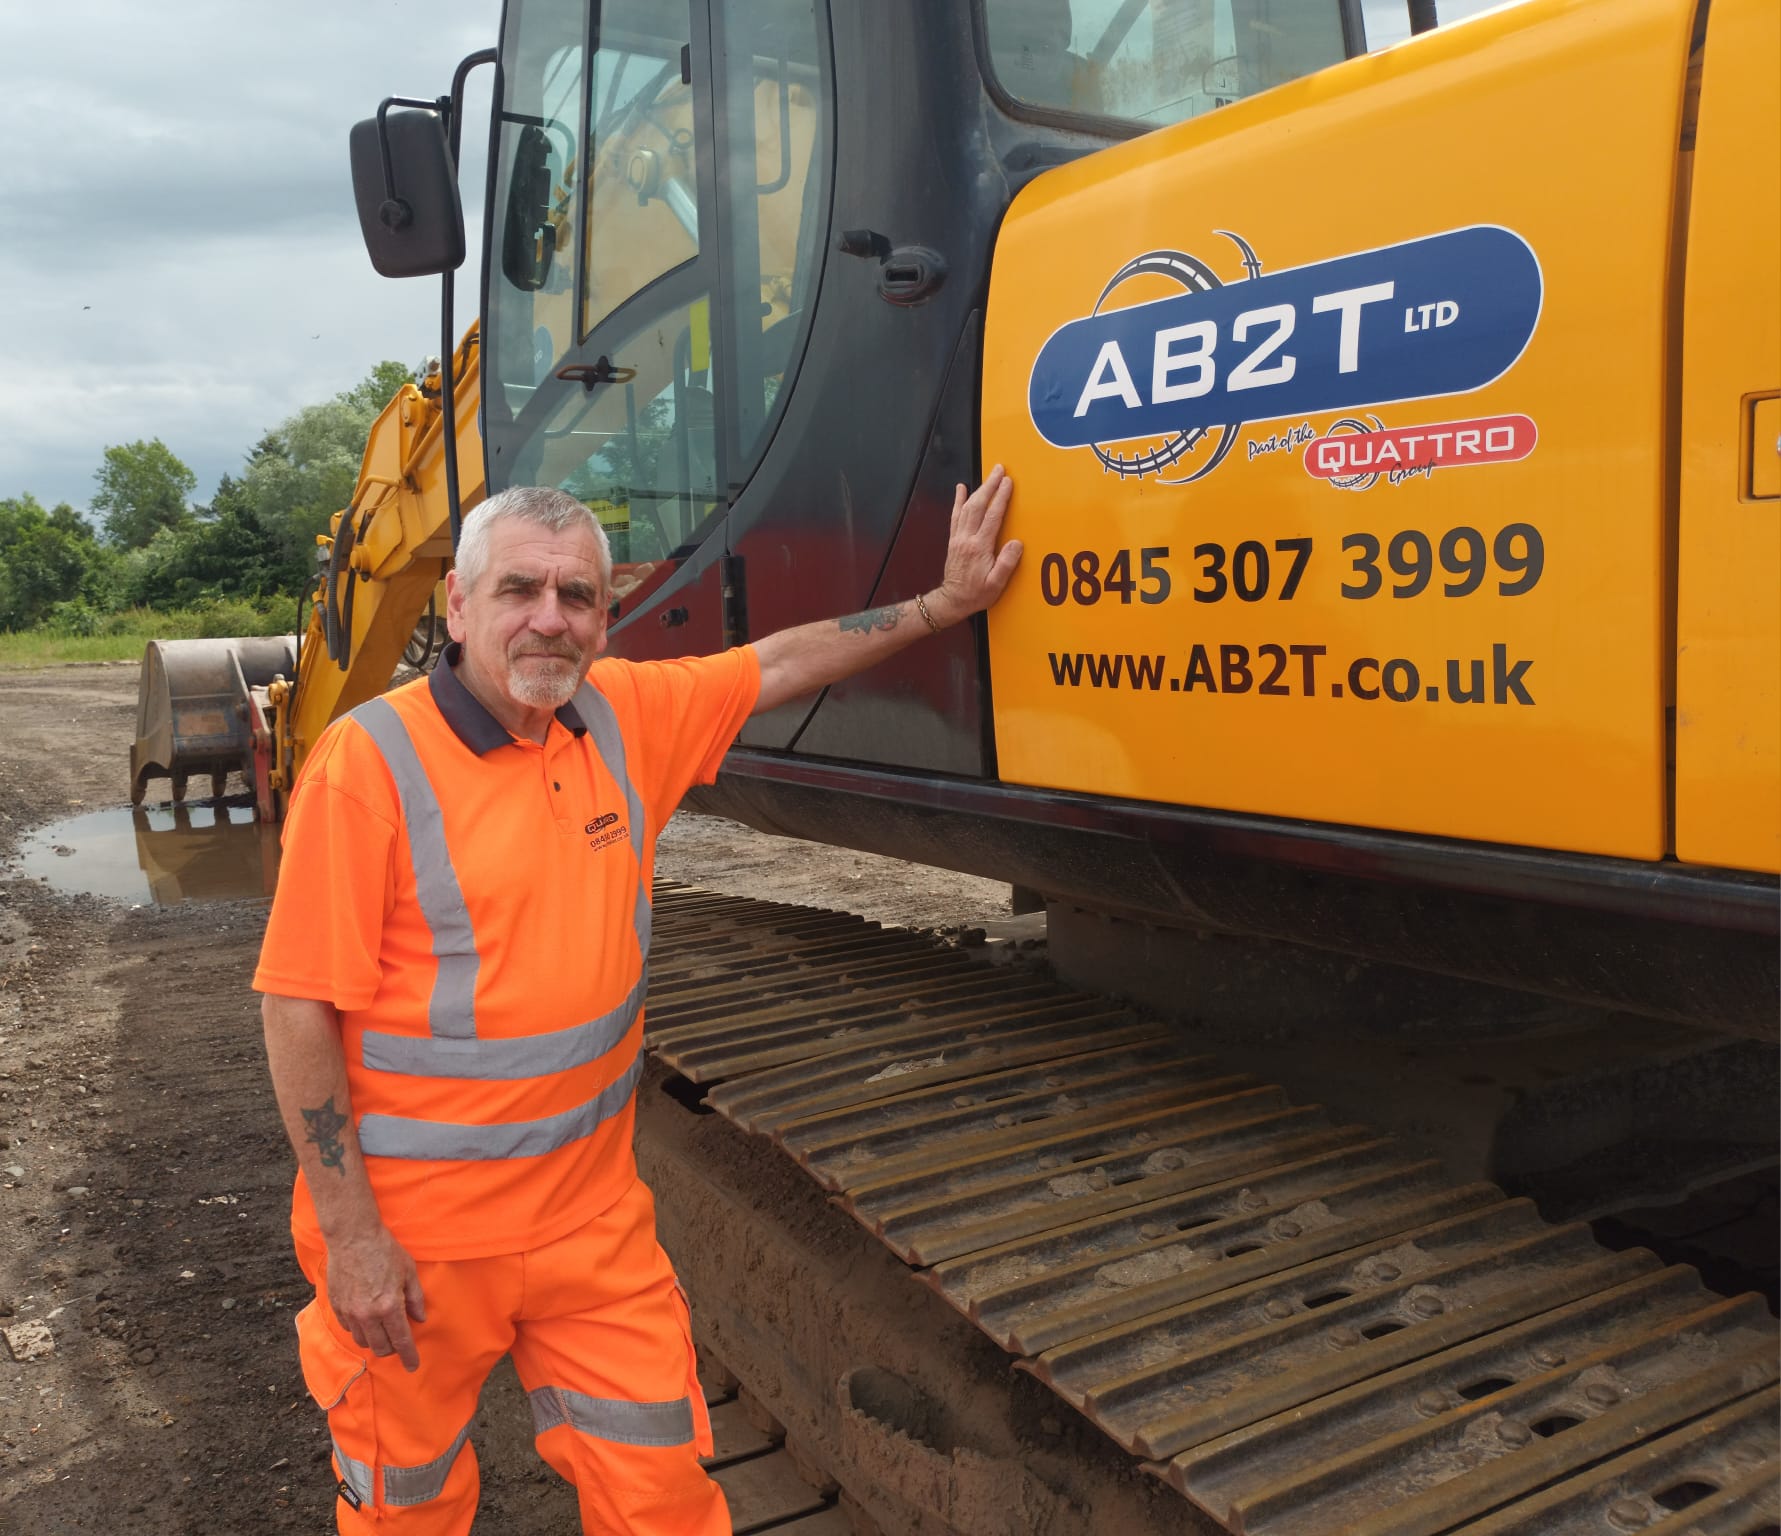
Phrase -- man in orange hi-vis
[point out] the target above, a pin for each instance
(454, 973)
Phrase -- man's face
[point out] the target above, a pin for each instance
(537, 616)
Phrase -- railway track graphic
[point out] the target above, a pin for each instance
(1298, 1325)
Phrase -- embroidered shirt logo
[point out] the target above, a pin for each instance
(606, 829)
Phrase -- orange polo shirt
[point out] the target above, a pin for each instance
(539, 837)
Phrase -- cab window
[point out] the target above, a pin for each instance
(647, 301)
(1152, 62)
(643, 174)
(641, 451)
(535, 212)
(773, 127)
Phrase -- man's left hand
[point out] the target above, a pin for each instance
(977, 570)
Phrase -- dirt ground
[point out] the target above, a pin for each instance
(145, 1180)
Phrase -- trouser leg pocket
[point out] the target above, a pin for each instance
(381, 1491)
(338, 1378)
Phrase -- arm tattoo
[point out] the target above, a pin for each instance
(325, 1125)
(886, 617)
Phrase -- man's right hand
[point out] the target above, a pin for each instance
(374, 1290)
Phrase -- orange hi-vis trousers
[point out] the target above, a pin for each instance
(599, 1332)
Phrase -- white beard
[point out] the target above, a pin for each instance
(541, 686)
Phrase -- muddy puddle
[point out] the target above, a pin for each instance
(159, 854)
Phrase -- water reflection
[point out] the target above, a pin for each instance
(166, 854)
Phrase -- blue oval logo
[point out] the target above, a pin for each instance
(1443, 315)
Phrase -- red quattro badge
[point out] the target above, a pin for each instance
(1364, 450)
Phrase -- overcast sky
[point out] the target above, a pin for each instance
(179, 254)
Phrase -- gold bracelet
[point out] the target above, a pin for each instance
(921, 607)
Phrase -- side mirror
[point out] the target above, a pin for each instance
(529, 235)
(406, 187)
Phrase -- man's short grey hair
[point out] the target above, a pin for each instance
(553, 510)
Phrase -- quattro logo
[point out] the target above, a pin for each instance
(1442, 315)
(1353, 455)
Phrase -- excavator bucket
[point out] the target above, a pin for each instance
(196, 710)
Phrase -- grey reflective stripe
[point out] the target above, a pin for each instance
(357, 1475)
(602, 724)
(612, 1418)
(401, 1485)
(398, 1136)
(524, 1056)
(415, 1485)
(451, 1012)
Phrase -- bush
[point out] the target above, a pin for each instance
(74, 617)
(225, 618)
(138, 624)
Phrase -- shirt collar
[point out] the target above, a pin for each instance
(473, 725)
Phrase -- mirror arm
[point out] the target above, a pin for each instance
(455, 103)
(395, 212)
(453, 109)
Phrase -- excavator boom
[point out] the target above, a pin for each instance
(256, 706)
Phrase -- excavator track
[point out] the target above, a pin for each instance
(1299, 1326)
(770, 1490)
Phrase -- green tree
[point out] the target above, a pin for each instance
(255, 539)
(230, 549)
(45, 558)
(221, 552)
(142, 488)
(373, 392)
(305, 470)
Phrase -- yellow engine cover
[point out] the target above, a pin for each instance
(1338, 420)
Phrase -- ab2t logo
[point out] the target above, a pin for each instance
(1161, 386)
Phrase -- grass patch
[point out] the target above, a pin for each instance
(122, 636)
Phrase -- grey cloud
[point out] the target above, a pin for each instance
(201, 119)
(179, 256)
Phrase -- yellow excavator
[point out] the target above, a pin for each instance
(1397, 435)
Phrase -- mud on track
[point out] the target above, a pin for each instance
(145, 1194)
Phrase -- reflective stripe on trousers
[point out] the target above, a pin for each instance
(452, 1048)
(402, 1486)
(605, 1418)
(612, 1418)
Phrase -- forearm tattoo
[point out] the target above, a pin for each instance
(886, 617)
(325, 1125)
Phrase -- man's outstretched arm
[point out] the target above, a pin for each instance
(796, 662)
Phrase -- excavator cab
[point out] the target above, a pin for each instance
(817, 263)
(772, 226)
(716, 230)
(1281, 349)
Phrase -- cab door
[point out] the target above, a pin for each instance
(649, 254)
(1728, 622)
(602, 272)
(1340, 420)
